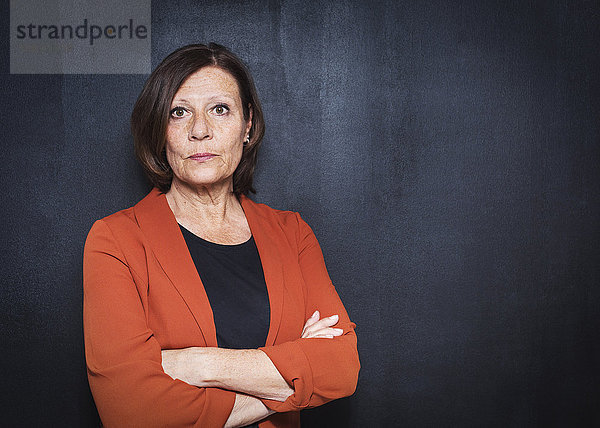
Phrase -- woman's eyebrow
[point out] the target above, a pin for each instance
(211, 98)
(179, 100)
(220, 96)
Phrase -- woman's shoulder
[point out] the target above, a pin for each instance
(276, 221)
(268, 213)
(123, 216)
(119, 227)
(126, 222)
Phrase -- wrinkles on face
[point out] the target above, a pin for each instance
(206, 129)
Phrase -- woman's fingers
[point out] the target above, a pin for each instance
(309, 322)
(326, 322)
(321, 328)
(313, 319)
(326, 332)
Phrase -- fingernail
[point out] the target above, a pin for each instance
(315, 314)
(338, 330)
(333, 317)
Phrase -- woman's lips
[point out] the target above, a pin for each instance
(201, 157)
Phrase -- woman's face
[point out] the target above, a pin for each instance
(206, 129)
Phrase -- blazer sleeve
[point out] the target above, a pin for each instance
(123, 358)
(319, 370)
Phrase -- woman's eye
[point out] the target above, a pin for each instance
(178, 112)
(220, 110)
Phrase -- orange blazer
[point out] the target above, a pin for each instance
(142, 294)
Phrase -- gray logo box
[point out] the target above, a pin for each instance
(80, 37)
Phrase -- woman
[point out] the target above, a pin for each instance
(201, 307)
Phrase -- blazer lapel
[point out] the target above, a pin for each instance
(159, 226)
(265, 235)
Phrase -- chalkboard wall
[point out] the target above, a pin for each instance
(446, 153)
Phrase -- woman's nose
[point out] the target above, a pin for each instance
(199, 128)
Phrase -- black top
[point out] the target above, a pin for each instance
(234, 281)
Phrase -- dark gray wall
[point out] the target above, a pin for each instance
(446, 153)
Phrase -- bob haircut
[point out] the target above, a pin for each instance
(150, 114)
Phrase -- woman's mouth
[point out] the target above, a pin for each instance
(202, 157)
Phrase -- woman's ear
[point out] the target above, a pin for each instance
(249, 124)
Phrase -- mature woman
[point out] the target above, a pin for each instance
(202, 307)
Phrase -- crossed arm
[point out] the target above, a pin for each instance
(131, 378)
(248, 372)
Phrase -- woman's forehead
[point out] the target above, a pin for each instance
(209, 81)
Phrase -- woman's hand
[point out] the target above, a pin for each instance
(248, 371)
(321, 328)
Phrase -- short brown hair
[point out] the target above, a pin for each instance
(150, 114)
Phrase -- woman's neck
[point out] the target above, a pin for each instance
(201, 202)
(211, 212)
